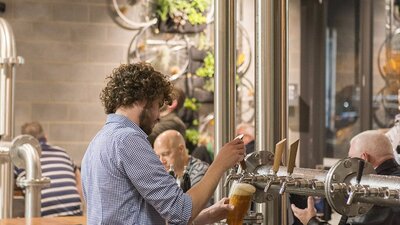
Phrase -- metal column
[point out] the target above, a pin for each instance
(225, 71)
(271, 88)
(8, 61)
(6, 181)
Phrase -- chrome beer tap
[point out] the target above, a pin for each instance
(279, 148)
(357, 188)
(289, 181)
(233, 175)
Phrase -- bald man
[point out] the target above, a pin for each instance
(170, 147)
(375, 148)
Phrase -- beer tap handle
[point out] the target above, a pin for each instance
(279, 147)
(243, 166)
(353, 191)
(242, 163)
(290, 166)
(292, 157)
(360, 171)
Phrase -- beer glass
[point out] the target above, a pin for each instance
(239, 197)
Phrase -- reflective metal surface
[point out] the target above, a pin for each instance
(343, 172)
(225, 72)
(271, 87)
(351, 186)
(8, 61)
(25, 151)
(6, 181)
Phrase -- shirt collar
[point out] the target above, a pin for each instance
(117, 118)
(388, 164)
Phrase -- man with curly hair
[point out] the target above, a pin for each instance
(123, 180)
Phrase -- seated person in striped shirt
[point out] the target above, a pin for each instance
(123, 180)
(171, 149)
(63, 197)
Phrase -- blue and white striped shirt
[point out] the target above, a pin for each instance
(124, 182)
(62, 197)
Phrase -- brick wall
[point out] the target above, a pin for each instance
(69, 46)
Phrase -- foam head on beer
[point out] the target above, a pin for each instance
(242, 189)
(239, 197)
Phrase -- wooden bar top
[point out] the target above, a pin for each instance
(68, 220)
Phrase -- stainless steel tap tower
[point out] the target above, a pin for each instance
(351, 186)
(271, 82)
(23, 151)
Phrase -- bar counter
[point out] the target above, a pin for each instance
(69, 220)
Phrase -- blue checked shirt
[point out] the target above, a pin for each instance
(124, 182)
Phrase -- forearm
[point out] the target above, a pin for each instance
(203, 190)
(201, 219)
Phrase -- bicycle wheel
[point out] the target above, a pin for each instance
(385, 105)
(243, 47)
(134, 14)
(168, 53)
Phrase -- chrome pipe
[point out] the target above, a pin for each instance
(264, 89)
(25, 153)
(225, 72)
(8, 59)
(375, 180)
(271, 87)
(6, 181)
(264, 70)
(33, 172)
(305, 173)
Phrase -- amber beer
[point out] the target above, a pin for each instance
(239, 197)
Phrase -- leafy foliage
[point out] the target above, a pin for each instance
(181, 11)
(163, 7)
(191, 104)
(207, 70)
(192, 135)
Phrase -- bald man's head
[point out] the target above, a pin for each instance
(372, 146)
(170, 147)
(171, 138)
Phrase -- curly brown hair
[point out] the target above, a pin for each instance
(130, 83)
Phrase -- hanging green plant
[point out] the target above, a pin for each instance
(176, 15)
(207, 70)
(192, 135)
(191, 104)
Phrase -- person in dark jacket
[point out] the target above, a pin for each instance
(169, 119)
(375, 148)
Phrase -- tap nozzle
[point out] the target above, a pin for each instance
(352, 192)
(283, 187)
